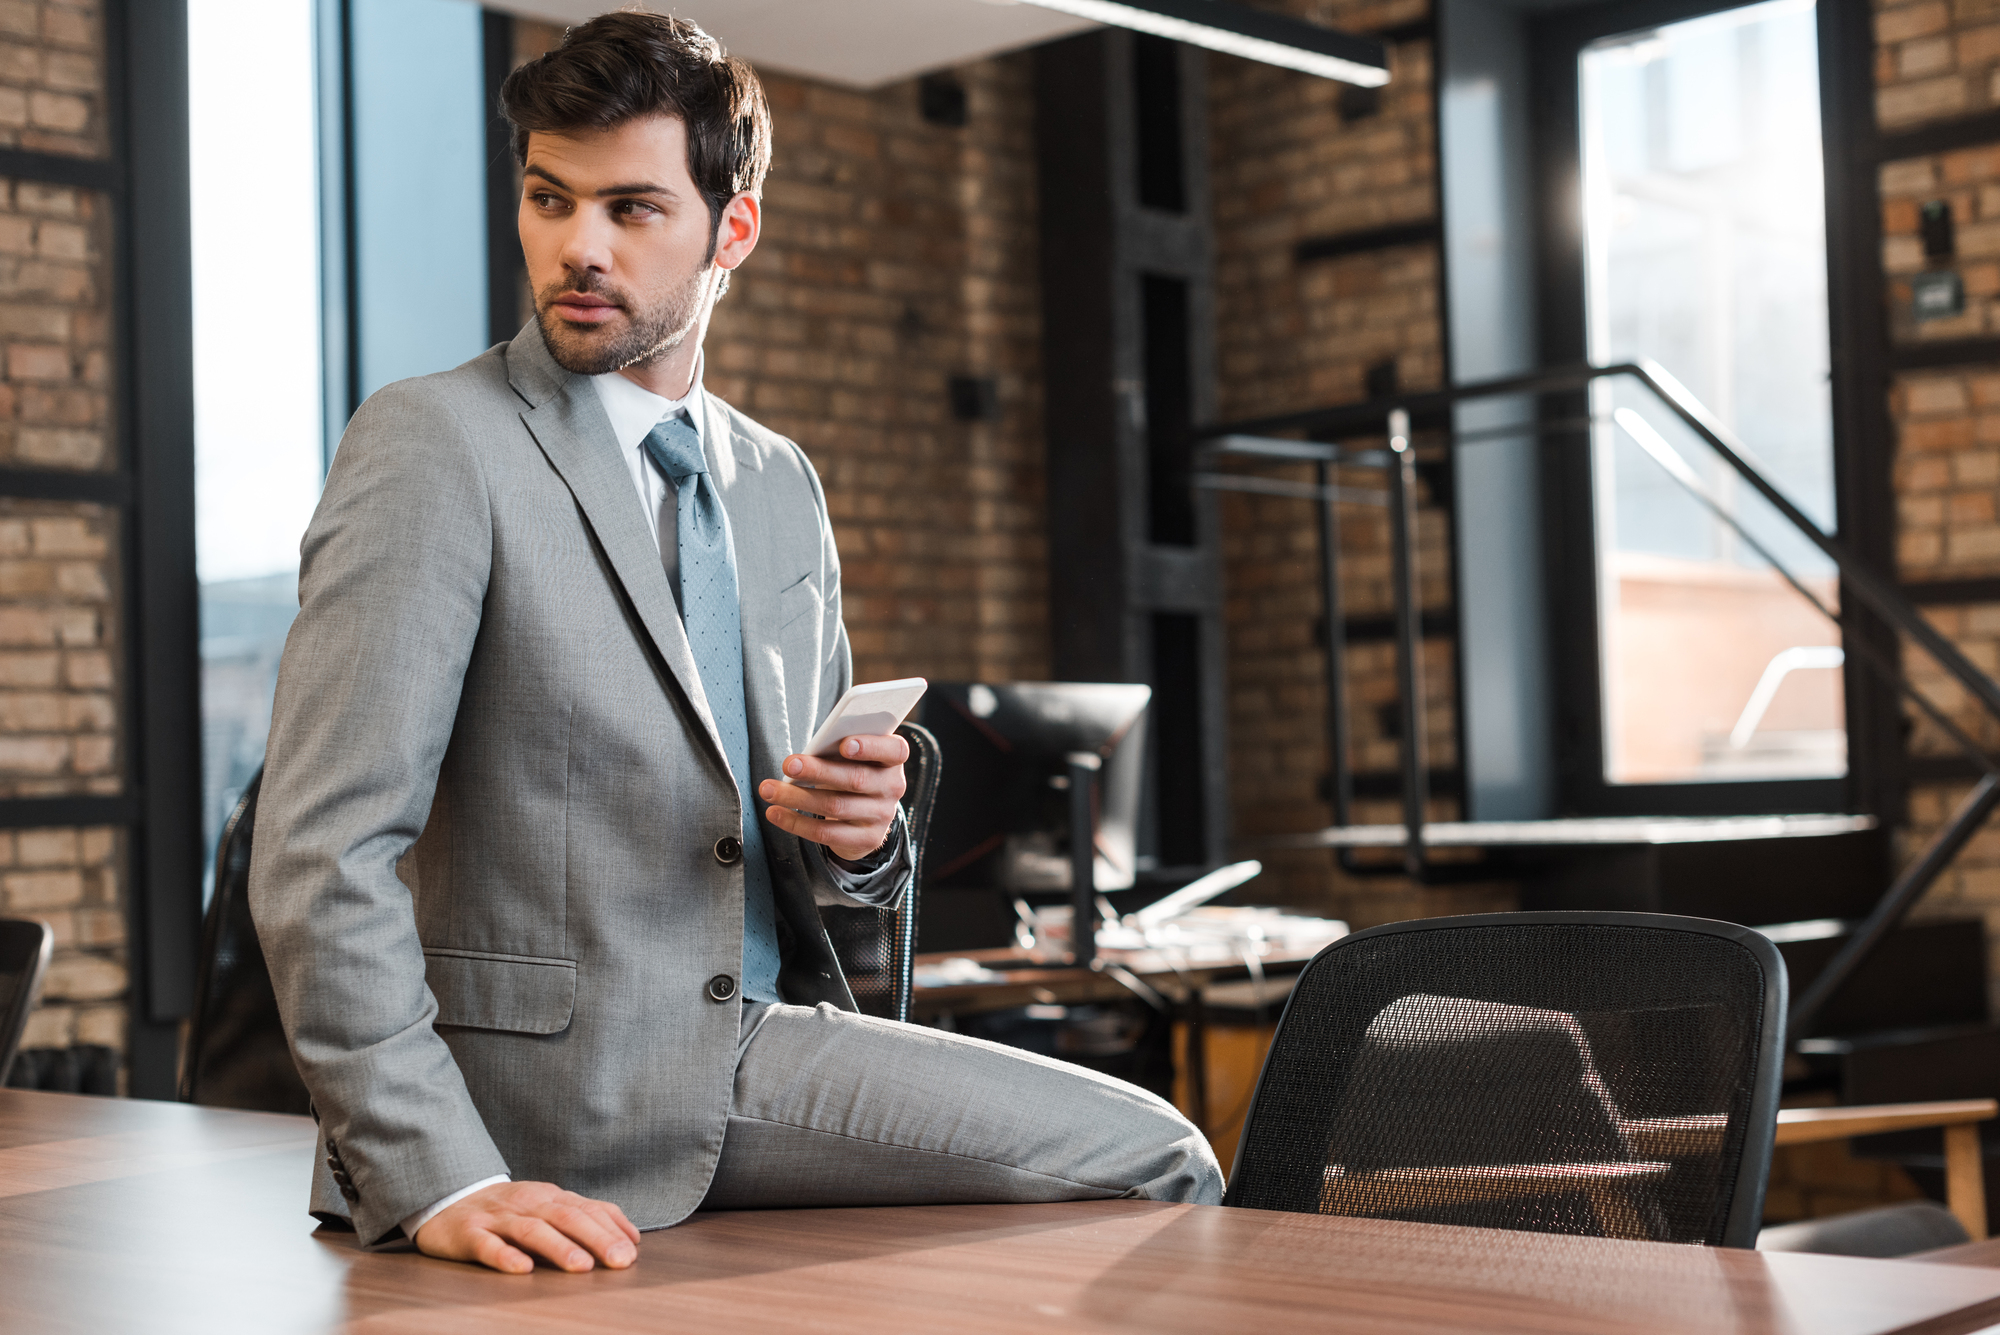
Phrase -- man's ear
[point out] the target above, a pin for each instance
(736, 232)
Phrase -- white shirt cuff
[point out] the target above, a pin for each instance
(422, 1217)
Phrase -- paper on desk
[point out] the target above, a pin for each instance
(956, 971)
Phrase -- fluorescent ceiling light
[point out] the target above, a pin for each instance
(1242, 31)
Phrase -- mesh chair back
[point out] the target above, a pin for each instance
(236, 1052)
(1605, 1074)
(24, 962)
(875, 947)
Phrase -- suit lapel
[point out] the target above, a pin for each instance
(568, 422)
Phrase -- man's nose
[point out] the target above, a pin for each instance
(587, 244)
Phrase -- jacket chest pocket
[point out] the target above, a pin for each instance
(798, 600)
(801, 622)
(520, 994)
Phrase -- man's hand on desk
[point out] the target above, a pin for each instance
(850, 800)
(498, 1226)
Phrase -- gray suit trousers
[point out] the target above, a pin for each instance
(833, 1108)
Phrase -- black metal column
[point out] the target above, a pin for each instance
(506, 270)
(1864, 436)
(147, 44)
(1128, 319)
(1083, 767)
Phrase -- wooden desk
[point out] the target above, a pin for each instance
(1985, 1254)
(120, 1215)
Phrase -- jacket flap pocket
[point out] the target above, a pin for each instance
(517, 994)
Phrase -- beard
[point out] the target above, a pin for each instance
(649, 332)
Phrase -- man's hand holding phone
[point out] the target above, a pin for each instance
(843, 790)
(846, 802)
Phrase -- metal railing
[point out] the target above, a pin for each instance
(1256, 440)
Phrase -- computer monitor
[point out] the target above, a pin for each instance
(1002, 818)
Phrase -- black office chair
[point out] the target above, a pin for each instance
(1601, 1074)
(875, 947)
(24, 962)
(236, 1053)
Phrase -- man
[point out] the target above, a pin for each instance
(550, 965)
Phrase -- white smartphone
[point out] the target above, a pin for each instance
(871, 710)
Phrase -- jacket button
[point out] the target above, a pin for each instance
(728, 851)
(350, 1194)
(721, 987)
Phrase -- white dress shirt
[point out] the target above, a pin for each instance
(634, 412)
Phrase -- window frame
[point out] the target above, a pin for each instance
(1556, 41)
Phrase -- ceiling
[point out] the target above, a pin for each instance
(861, 43)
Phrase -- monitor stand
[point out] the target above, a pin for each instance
(1083, 767)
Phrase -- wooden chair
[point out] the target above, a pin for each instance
(1965, 1181)
(1964, 1168)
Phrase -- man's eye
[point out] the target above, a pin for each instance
(544, 201)
(634, 209)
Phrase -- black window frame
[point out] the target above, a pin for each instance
(1863, 497)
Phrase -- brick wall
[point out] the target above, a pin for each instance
(51, 76)
(897, 254)
(1935, 59)
(1293, 158)
(1969, 182)
(60, 659)
(1935, 62)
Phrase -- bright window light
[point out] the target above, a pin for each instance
(258, 427)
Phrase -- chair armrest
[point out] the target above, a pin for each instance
(1803, 1126)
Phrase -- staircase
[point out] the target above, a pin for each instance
(1882, 1011)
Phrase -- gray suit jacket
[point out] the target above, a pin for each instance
(485, 873)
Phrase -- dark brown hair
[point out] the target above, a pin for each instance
(619, 67)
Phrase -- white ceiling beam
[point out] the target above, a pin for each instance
(868, 43)
(859, 43)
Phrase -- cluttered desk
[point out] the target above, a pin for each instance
(1008, 875)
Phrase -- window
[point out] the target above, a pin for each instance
(1705, 251)
(258, 422)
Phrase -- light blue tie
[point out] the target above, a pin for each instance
(714, 624)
